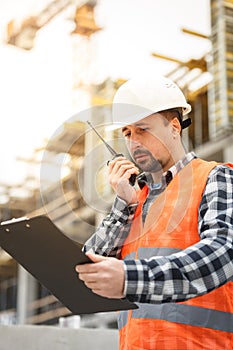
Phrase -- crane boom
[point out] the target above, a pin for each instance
(23, 35)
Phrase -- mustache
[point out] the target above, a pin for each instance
(140, 151)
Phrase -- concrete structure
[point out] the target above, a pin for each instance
(55, 338)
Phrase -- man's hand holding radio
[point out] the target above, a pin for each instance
(120, 170)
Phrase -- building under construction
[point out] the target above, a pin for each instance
(76, 201)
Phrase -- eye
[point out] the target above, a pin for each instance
(127, 134)
(144, 129)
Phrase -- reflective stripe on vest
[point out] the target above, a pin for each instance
(146, 253)
(184, 314)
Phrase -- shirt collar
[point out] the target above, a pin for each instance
(181, 163)
(146, 178)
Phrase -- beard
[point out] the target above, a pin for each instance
(146, 161)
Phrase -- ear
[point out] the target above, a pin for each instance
(176, 127)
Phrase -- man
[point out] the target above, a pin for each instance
(167, 245)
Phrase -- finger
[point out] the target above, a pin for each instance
(122, 169)
(92, 286)
(117, 159)
(105, 293)
(100, 292)
(122, 178)
(92, 282)
(96, 257)
(88, 278)
(90, 268)
(123, 163)
(125, 167)
(118, 162)
(86, 268)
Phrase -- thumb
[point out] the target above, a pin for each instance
(95, 257)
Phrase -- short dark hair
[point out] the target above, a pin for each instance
(169, 114)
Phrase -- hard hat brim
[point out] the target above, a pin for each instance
(132, 114)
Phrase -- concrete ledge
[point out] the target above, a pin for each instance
(55, 338)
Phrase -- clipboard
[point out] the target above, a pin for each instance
(51, 256)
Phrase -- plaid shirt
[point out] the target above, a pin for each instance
(192, 272)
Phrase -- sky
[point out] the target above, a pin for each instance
(36, 85)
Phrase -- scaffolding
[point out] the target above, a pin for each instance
(221, 67)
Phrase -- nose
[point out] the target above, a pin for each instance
(134, 142)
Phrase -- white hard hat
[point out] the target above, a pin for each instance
(140, 97)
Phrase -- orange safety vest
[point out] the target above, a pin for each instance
(201, 323)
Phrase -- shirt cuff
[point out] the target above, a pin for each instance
(136, 280)
(120, 206)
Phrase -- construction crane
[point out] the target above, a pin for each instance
(192, 32)
(23, 34)
(191, 64)
(85, 20)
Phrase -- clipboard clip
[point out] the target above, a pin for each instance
(7, 222)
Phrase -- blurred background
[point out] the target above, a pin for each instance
(61, 61)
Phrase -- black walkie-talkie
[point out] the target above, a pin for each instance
(133, 177)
